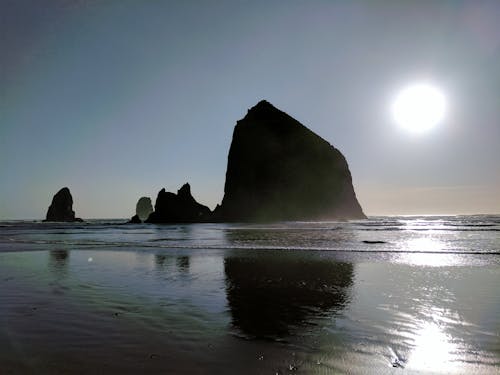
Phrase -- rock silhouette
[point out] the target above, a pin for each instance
(135, 220)
(61, 208)
(178, 208)
(280, 170)
(143, 209)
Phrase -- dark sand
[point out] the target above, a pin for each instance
(195, 311)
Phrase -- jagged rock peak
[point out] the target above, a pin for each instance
(178, 208)
(262, 109)
(263, 105)
(184, 191)
(61, 208)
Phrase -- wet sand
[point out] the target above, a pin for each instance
(232, 311)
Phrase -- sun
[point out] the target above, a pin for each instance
(419, 107)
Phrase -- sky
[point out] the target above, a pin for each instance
(117, 99)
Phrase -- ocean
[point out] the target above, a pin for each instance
(386, 295)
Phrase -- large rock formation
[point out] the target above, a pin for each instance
(143, 209)
(279, 170)
(61, 208)
(178, 208)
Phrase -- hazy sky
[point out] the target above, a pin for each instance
(117, 99)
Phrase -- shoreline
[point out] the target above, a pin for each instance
(182, 312)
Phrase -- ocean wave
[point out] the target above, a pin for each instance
(470, 235)
(466, 229)
(96, 245)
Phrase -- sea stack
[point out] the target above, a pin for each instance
(143, 209)
(280, 170)
(61, 208)
(178, 208)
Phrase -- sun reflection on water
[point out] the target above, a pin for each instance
(425, 244)
(428, 251)
(433, 350)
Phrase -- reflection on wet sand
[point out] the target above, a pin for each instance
(180, 263)
(183, 263)
(160, 260)
(286, 236)
(269, 296)
(58, 260)
(292, 312)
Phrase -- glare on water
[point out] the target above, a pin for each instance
(433, 350)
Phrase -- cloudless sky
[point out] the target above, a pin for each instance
(118, 98)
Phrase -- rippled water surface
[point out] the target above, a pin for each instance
(385, 295)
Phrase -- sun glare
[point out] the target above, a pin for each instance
(419, 107)
(433, 350)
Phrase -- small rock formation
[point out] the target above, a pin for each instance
(135, 220)
(178, 208)
(143, 209)
(280, 170)
(61, 208)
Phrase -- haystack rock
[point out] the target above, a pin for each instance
(280, 170)
(143, 209)
(178, 208)
(61, 208)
